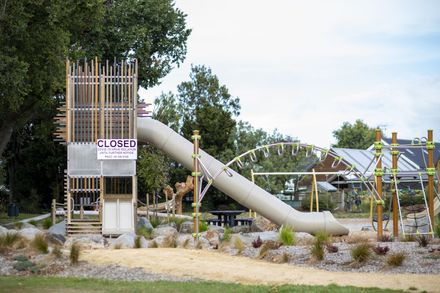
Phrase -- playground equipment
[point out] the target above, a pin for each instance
(98, 125)
(233, 184)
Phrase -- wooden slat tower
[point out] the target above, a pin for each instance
(100, 104)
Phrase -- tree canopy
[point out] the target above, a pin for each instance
(356, 136)
(36, 37)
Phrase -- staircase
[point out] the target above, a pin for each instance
(77, 227)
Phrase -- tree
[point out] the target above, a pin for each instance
(356, 136)
(153, 169)
(37, 35)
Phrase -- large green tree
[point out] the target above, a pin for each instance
(37, 35)
(355, 136)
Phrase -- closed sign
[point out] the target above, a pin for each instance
(116, 149)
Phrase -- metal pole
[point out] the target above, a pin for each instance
(431, 172)
(253, 181)
(196, 174)
(394, 154)
(378, 174)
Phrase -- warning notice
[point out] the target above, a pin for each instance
(116, 149)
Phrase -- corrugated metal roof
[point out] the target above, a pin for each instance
(362, 159)
(325, 186)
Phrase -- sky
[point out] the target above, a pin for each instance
(305, 67)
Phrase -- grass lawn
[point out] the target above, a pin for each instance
(56, 284)
(4, 219)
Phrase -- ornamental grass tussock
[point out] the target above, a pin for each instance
(239, 245)
(75, 251)
(287, 235)
(361, 252)
(39, 243)
(396, 259)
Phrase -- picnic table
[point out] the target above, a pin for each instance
(226, 218)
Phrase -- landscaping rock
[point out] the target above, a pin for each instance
(56, 239)
(219, 229)
(166, 241)
(202, 243)
(143, 222)
(187, 227)
(3, 230)
(241, 229)
(185, 241)
(260, 224)
(213, 237)
(29, 233)
(59, 228)
(125, 240)
(165, 231)
(143, 242)
(87, 241)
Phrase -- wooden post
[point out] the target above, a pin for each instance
(431, 172)
(378, 174)
(196, 138)
(54, 211)
(394, 153)
(316, 190)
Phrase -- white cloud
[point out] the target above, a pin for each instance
(305, 67)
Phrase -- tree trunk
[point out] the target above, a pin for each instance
(182, 188)
(6, 130)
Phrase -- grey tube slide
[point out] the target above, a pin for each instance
(237, 187)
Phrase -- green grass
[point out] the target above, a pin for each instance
(287, 235)
(56, 284)
(4, 219)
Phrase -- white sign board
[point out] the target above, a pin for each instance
(116, 149)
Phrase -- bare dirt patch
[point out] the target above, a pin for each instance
(215, 266)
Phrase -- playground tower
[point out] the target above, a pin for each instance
(99, 130)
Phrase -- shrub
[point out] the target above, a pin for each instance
(199, 244)
(331, 248)
(317, 251)
(285, 257)
(322, 237)
(257, 242)
(8, 240)
(386, 238)
(40, 243)
(227, 234)
(137, 242)
(33, 222)
(47, 223)
(75, 251)
(23, 265)
(287, 235)
(142, 231)
(437, 230)
(203, 226)
(155, 221)
(20, 257)
(57, 252)
(18, 225)
(325, 203)
(153, 244)
(396, 259)
(238, 243)
(408, 238)
(423, 240)
(268, 245)
(361, 252)
(381, 250)
(177, 221)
